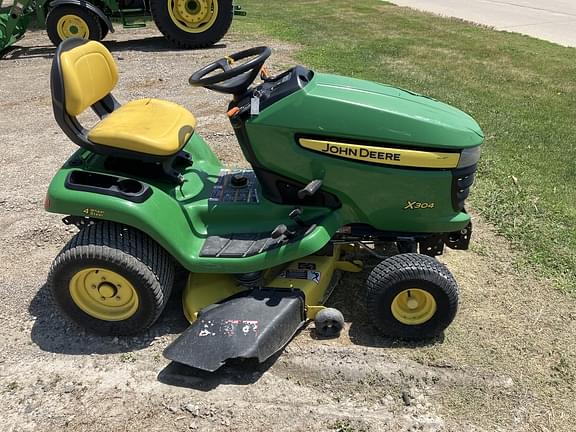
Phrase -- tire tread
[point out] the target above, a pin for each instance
(127, 248)
(410, 266)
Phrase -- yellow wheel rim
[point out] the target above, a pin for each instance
(104, 294)
(193, 16)
(72, 26)
(413, 306)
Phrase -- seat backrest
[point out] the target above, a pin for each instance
(88, 73)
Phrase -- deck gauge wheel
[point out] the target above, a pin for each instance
(329, 323)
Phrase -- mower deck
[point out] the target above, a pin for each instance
(311, 275)
(232, 320)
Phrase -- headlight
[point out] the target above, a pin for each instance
(469, 157)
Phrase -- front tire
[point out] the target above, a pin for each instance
(69, 21)
(112, 279)
(411, 296)
(192, 23)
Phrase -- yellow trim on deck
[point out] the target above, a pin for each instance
(312, 275)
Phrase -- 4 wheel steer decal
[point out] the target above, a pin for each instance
(92, 212)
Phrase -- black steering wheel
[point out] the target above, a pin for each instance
(235, 77)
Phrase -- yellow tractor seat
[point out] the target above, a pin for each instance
(148, 130)
(150, 126)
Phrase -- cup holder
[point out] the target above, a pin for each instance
(106, 184)
(129, 186)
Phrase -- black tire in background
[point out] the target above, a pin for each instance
(424, 277)
(160, 10)
(125, 251)
(93, 22)
(105, 29)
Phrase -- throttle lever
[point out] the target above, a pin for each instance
(295, 216)
(310, 189)
(282, 230)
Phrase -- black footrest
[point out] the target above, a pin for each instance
(247, 244)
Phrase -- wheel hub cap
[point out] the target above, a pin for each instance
(413, 306)
(193, 16)
(104, 294)
(107, 290)
(192, 11)
(72, 26)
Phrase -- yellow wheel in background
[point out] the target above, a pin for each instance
(104, 294)
(413, 306)
(192, 23)
(73, 21)
(72, 26)
(193, 16)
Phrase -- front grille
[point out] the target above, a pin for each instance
(463, 179)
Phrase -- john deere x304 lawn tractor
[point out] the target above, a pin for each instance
(185, 23)
(337, 164)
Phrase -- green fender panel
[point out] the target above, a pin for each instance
(180, 218)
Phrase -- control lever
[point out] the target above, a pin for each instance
(282, 230)
(310, 189)
(295, 216)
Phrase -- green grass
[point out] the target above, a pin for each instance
(521, 90)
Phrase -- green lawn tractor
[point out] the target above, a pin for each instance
(185, 23)
(337, 165)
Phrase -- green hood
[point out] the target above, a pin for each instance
(363, 110)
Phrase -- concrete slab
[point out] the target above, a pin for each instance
(552, 20)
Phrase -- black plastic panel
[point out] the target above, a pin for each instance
(105, 184)
(256, 324)
(247, 244)
(463, 179)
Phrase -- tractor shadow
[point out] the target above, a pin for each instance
(52, 332)
(151, 44)
(16, 52)
(234, 372)
(147, 44)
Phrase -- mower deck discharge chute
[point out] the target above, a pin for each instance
(338, 165)
(253, 325)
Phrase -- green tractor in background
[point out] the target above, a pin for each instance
(185, 23)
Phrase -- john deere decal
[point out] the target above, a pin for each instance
(384, 155)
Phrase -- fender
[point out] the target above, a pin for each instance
(89, 6)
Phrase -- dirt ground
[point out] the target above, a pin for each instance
(506, 364)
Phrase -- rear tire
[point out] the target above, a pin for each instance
(185, 33)
(112, 279)
(68, 21)
(411, 296)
